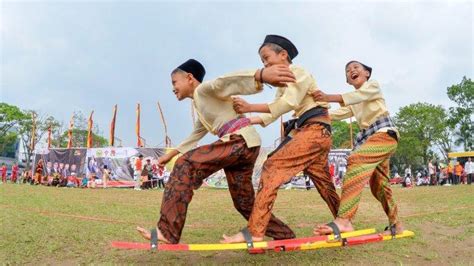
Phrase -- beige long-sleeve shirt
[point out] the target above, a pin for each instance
(213, 104)
(295, 97)
(366, 104)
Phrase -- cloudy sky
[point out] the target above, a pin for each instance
(58, 57)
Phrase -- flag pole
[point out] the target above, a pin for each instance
(69, 133)
(49, 136)
(112, 127)
(137, 127)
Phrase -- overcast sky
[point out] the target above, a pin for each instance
(58, 57)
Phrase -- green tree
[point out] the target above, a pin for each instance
(8, 144)
(408, 153)
(79, 139)
(460, 118)
(43, 122)
(10, 116)
(79, 133)
(422, 127)
(341, 138)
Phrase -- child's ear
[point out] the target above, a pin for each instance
(189, 76)
(284, 54)
(367, 74)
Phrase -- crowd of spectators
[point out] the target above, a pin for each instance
(437, 174)
(146, 175)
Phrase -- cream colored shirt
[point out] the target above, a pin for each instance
(213, 104)
(296, 96)
(366, 104)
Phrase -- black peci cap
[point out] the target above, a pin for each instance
(283, 43)
(194, 67)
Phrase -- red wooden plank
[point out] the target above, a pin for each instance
(357, 240)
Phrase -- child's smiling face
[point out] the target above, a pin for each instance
(356, 74)
(182, 85)
(270, 57)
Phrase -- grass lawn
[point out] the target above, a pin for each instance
(70, 226)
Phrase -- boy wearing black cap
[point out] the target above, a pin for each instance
(306, 146)
(235, 151)
(373, 146)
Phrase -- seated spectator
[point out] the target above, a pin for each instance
(71, 181)
(396, 179)
(29, 178)
(24, 177)
(91, 183)
(407, 182)
(426, 180)
(419, 179)
(84, 182)
(55, 181)
(62, 181)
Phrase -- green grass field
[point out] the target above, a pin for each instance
(70, 226)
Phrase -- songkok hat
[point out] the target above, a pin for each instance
(283, 43)
(194, 67)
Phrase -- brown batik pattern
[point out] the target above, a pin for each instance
(307, 151)
(194, 166)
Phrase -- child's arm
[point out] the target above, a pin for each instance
(323, 97)
(249, 82)
(287, 99)
(241, 106)
(343, 112)
(190, 142)
(369, 91)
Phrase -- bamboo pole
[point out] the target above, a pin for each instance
(167, 138)
(350, 127)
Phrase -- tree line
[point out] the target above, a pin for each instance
(18, 124)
